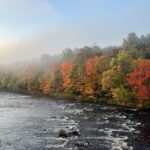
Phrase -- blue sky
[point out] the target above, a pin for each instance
(29, 28)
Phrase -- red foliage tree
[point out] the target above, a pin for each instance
(139, 80)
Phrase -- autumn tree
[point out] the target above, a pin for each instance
(66, 69)
(90, 78)
(77, 80)
(139, 80)
(52, 81)
(95, 66)
(67, 54)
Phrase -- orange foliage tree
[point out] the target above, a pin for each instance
(66, 69)
(90, 78)
(45, 84)
(94, 68)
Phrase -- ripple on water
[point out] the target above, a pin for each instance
(34, 123)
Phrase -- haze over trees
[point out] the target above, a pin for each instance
(117, 75)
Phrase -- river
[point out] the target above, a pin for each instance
(31, 123)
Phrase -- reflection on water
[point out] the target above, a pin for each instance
(28, 123)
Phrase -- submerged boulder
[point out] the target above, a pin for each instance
(69, 132)
(75, 132)
(82, 145)
(63, 133)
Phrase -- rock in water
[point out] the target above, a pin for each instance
(63, 133)
(76, 132)
(82, 144)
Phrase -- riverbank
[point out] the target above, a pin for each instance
(81, 99)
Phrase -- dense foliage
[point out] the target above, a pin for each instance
(112, 75)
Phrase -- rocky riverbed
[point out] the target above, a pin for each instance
(31, 123)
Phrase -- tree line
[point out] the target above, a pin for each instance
(118, 75)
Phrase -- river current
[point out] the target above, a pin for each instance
(33, 123)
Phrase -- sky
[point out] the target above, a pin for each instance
(29, 28)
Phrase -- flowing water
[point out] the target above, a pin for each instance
(30, 123)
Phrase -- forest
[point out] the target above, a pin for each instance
(115, 75)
